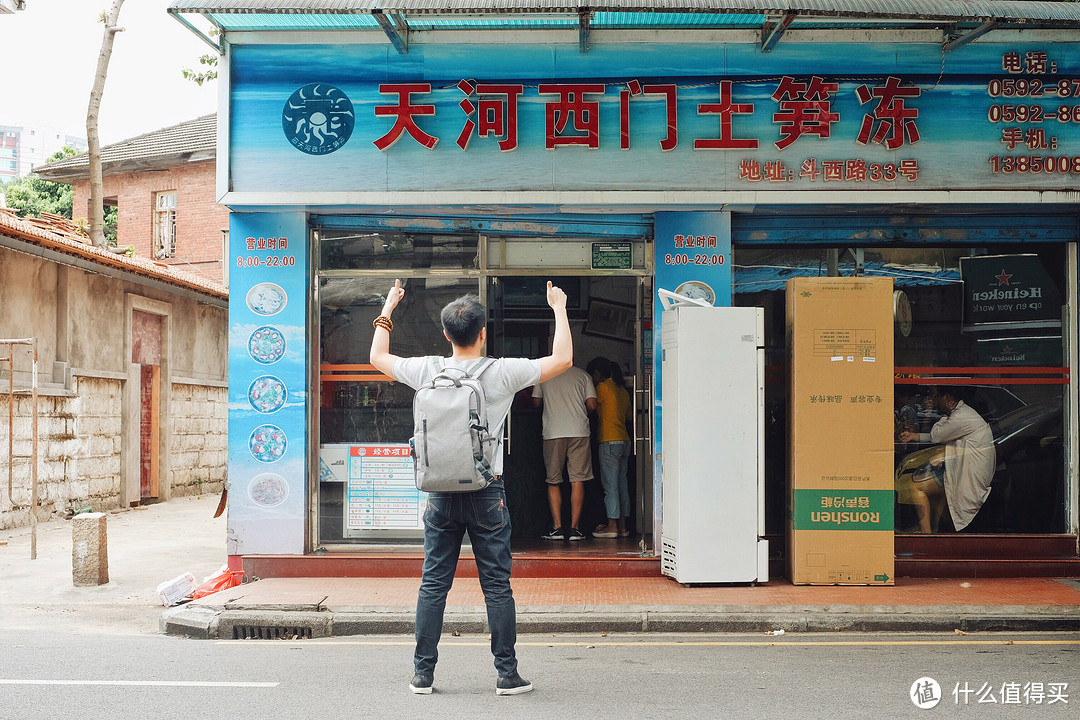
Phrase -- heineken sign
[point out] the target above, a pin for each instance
(1008, 291)
(1031, 351)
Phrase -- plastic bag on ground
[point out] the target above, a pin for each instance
(223, 579)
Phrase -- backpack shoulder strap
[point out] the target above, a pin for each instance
(483, 364)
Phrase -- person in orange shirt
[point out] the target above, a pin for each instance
(614, 410)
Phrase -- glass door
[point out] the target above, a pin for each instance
(366, 491)
(605, 312)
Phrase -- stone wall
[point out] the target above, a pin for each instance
(200, 439)
(79, 447)
(78, 451)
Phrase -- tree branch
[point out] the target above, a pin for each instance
(97, 211)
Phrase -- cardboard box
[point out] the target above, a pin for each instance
(173, 591)
(840, 425)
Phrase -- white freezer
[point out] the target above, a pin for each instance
(713, 445)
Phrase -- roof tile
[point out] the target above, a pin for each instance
(57, 233)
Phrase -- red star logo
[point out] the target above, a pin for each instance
(1003, 278)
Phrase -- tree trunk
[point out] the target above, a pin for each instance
(97, 210)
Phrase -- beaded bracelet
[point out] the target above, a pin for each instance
(383, 322)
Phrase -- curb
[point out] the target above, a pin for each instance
(211, 623)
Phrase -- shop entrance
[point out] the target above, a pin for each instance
(364, 483)
(605, 314)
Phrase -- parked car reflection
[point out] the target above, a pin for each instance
(1028, 481)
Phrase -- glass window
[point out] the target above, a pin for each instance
(374, 250)
(164, 225)
(985, 330)
(357, 403)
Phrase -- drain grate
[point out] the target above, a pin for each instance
(270, 632)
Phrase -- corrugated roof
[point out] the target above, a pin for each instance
(60, 235)
(189, 141)
(1054, 13)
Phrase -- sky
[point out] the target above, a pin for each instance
(51, 51)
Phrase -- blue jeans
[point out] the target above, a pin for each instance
(447, 516)
(614, 457)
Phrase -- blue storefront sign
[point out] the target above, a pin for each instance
(817, 116)
(693, 259)
(267, 383)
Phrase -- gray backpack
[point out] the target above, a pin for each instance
(452, 447)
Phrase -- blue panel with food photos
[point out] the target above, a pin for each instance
(267, 382)
(693, 258)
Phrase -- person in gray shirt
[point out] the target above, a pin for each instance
(482, 513)
(567, 401)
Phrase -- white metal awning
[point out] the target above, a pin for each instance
(960, 20)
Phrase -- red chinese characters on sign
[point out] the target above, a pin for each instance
(404, 112)
(694, 241)
(495, 111)
(379, 451)
(266, 243)
(892, 122)
(1035, 139)
(1033, 62)
(1012, 63)
(1032, 138)
(1012, 136)
(910, 169)
(855, 170)
(770, 171)
(726, 109)
(572, 104)
(750, 170)
(634, 88)
(805, 109)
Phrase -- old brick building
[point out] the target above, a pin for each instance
(162, 184)
(131, 375)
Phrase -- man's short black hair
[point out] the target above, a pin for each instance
(463, 319)
(599, 365)
(956, 392)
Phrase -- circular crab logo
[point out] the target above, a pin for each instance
(318, 119)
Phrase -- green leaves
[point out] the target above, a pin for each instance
(210, 62)
(31, 196)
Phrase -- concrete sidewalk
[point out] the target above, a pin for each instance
(322, 607)
(157, 543)
(146, 546)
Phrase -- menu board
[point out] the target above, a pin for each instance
(381, 492)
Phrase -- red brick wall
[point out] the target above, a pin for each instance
(199, 219)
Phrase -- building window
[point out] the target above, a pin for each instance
(165, 225)
(1003, 359)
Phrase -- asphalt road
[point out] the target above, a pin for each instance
(49, 673)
